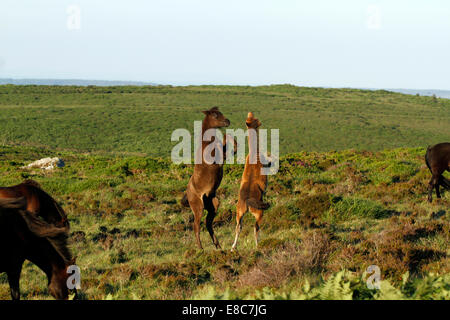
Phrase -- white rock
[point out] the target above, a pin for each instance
(47, 163)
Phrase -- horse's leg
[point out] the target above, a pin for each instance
(434, 180)
(211, 205)
(258, 214)
(241, 209)
(436, 186)
(196, 205)
(13, 279)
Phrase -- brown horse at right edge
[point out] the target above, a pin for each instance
(202, 186)
(437, 159)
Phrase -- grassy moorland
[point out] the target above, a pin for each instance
(140, 120)
(333, 214)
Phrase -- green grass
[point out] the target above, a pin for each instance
(141, 119)
(330, 211)
(350, 192)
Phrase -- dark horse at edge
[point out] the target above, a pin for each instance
(437, 159)
(38, 202)
(25, 236)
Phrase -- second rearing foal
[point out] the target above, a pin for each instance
(202, 186)
(253, 183)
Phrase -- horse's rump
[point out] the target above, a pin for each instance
(39, 202)
(31, 182)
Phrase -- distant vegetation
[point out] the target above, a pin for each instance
(141, 119)
(333, 214)
(72, 82)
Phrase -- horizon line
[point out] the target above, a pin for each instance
(151, 83)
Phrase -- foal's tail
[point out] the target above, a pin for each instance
(257, 204)
(184, 201)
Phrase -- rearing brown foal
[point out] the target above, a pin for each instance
(253, 183)
(202, 186)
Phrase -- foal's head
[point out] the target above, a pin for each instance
(252, 122)
(215, 118)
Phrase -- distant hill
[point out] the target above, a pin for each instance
(73, 82)
(142, 118)
(105, 83)
(439, 93)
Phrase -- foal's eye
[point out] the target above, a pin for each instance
(214, 115)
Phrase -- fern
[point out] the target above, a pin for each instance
(345, 285)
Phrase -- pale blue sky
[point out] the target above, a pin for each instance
(248, 42)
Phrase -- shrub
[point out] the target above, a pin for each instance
(348, 208)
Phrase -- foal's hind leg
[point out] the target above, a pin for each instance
(211, 205)
(13, 279)
(258, 214)
(241, 209)
(196, 205)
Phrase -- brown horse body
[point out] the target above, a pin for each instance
(202, 186)
(25, 236)
(253, 183)
(38, 202)
(437, 159)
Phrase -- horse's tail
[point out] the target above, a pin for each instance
(13, 203)
(444, 182)
(184, 201)
(427, 157)
(41, 228)
(257, 204)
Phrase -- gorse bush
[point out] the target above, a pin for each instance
(348, 208)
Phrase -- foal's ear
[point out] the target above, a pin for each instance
(213, 109)
(73, 261)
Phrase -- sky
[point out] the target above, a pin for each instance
(361, 44)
